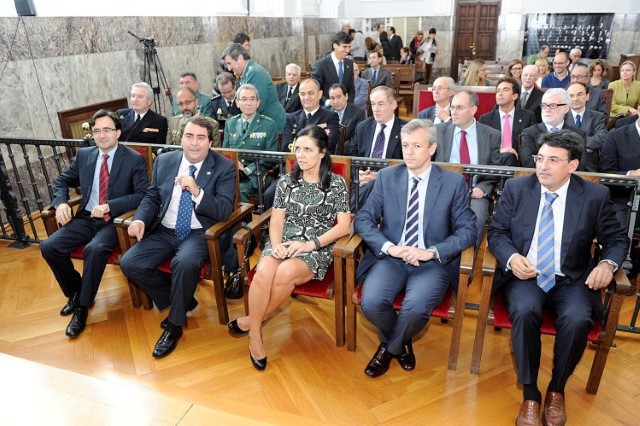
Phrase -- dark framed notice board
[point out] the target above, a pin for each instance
(590, 33)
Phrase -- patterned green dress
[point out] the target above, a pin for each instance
(310, 212)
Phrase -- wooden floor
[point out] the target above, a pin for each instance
(108, 376)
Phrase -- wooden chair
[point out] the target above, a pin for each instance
(328, 288)
(601, 334)
(341, 140)
(451, 307)
(212, 269)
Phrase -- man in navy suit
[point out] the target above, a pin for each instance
(593, 123)
(596, 102)
(190, 191)
(376, 137)
(416, 222)
(376, 74)
(530, 96)
(395, 44)
(125, 175)
(509, 119)
(349, 115)
(288, 90)
(224, 106)
(139, 123)
(542, 235)
(326, 70)
(443, 91)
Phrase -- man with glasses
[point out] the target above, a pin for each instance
(558, 78)
(188, 103)
(140, 123)
(443, 90)
(224, 104)
(542, 235)
(190, 81)
(555, 106)
(593, 123)
(112, 180)
(580, 74)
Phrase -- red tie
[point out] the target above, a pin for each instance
(104, 184)
(465, 158)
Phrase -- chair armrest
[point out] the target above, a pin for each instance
(622, 285)
(48, 215)
(466, 260)
(346, 247)
(489, 262)
(241, 213)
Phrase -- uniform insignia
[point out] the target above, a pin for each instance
(151, 130)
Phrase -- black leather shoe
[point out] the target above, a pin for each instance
(78, 321)
(71, 305)
(407, 359)
(379, 364)
(192, 306)
(235, 330)
(167, 341)
(259, 364)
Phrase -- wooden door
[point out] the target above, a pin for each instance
(475, 32)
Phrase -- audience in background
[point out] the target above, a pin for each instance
(626, 91)
(475, 75)
(597, 70)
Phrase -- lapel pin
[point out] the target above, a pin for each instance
(208, 173)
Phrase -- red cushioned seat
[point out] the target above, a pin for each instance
(440, 311)
(114, 257)
(314, 288)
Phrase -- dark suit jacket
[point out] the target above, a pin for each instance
(621, 152)
(152, 128)
(383, 78)
(625, 121)
(221, 112)
(127, 179)
(533, 103)
(529, 147)
(362, 140)
(449, 223)
(596, 101)
(522, 118)
(428, 113)
(588, 215)
(350, 118)
(297, 121)
(325, 72)
(594, 124)
(488, 148)
(294, 101)
(395, 45)
(217, 178)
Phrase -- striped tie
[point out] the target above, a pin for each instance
(185, 208)
(103, 184)
(546, 256)
(411, 226)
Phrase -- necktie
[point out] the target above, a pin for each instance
(228, 105)
(137, 118)
(411, 225)
(103, 184)
(375, 76)
(523, 101)
(465, 158)
(506, 132)
(578, 121)
(554, 129)
(340, 72)
(185, 208)
(378, 146)
(245, 127)
(289, 93)
(546, 257)
(309, 116)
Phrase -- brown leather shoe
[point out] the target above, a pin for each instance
(554, 413)
(529, 414)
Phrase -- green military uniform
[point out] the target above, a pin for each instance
(269, 102)
(175, 126)
(261, 135)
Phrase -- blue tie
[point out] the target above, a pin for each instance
(411, 226)
(578, 121)
(340, 72)
(375, 77)
(554, 129)
(378, 146)
(185, 208)
(546, 256)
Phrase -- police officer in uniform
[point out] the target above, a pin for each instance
(188, 102)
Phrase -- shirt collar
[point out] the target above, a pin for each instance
(389, 123)
(424, 176)
(502, 114)
(471, 128)
(184, 165)
(111, 152)
(310, 112)
(561, 192)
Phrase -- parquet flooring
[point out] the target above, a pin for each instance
(107, 375)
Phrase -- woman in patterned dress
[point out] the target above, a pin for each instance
(310, 212)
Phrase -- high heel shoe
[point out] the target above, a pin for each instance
(259, 364)
(235, 330)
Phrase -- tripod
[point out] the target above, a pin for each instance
(157, 80)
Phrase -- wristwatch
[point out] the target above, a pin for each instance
(434, 251)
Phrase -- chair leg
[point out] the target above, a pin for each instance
(135, 294)
(481, 326)
(339, 300)
(350, 307)
(147, 303)
(461, 297)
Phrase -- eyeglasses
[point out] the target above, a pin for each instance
(559, 63)
(185, 103)
(250, 99)
(576, 76)
(553, 160)
(516, 69)
(551, 106)
(106, 131)
(438, 88)
(459, 108)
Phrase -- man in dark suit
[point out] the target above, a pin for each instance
(580, 74)
(190, 191)
(110, 186)
(415, 223)
(555, 105)
(224, 105)
(376, 137)
(327, 70)
(288, 90)
(139, 123)
(530, 96)
(509, 119)
(349, 115)
(593, 123)
(542, 235)
(376, 74)
(395, 44)
(311, 113)
(443, 91)
(465, 141)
